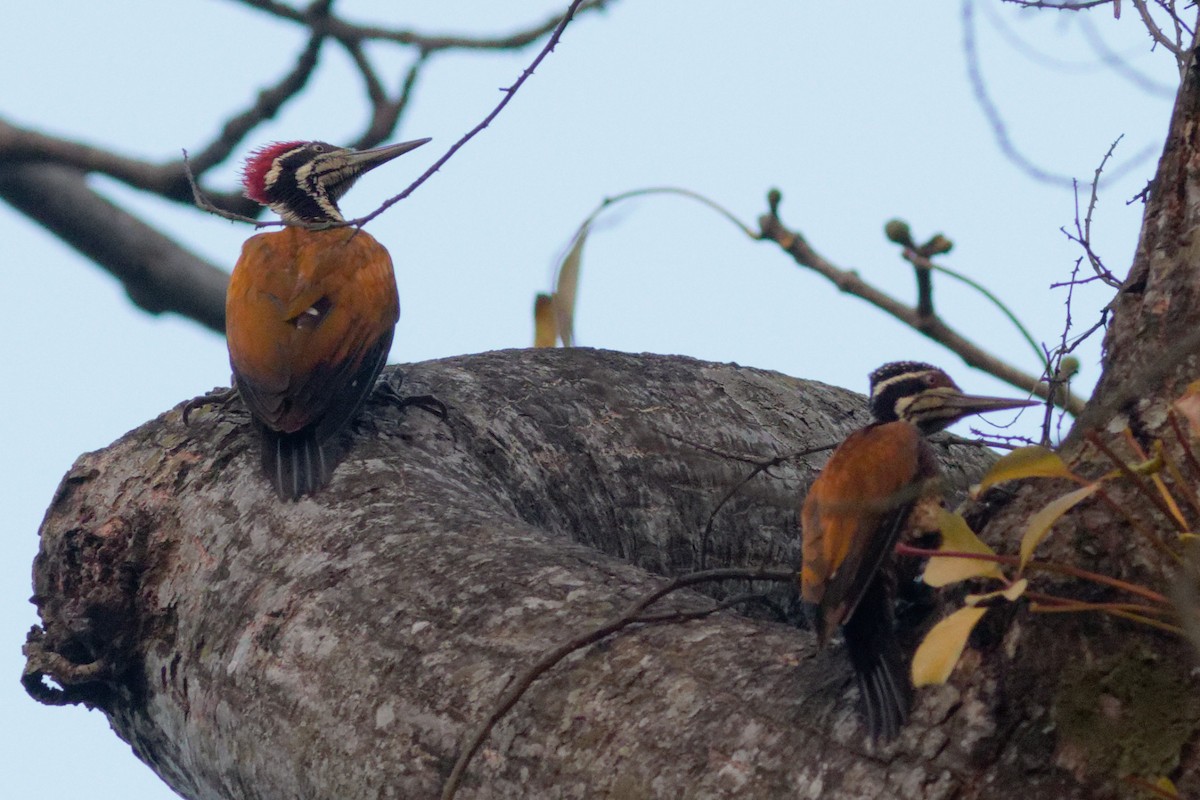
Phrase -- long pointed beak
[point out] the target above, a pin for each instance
(940, 408)
(967, 404)
(363, 160)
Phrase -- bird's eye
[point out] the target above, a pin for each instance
(316, 148)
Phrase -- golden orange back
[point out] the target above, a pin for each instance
(304, 310)
(853, 514)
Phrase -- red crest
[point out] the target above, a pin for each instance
(258, 164)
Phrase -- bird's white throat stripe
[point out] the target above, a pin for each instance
(277, 167)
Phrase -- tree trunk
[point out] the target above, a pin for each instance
(1097, 697)
(346, 645)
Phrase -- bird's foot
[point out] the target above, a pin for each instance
(425, 402)
(221, 397)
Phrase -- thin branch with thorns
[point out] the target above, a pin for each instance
(509, 93)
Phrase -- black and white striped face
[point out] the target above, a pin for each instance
(925, 396)
(897, 386)
(304, 182)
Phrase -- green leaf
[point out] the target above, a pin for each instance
(1040, 523)
(942, 647)
(1025, 462)
(958, 537)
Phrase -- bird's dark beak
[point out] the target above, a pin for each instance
(936, 409)
(964, 405)
(361, 161)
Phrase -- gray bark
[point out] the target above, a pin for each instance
(344, 646)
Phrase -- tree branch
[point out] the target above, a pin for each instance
(996, 120)
(346, 32)
(509, 93)
(370, 629)
(265, 107)
(158, 273)
(772, 229)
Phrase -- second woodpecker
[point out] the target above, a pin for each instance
(856, 511)
(311, 309)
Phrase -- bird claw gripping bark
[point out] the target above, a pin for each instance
(221, 397)
(389, 394)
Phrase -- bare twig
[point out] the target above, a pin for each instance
(996, 121)
(1083, 237)
(265, 107)
(508, 92)
(922, 267)
(346, 31)
(1065, 6)
(918, 260)
(632, 615)
(990, 111)
(1174, 46)
(1083, 233)
(772, 229)
(753, 459)
(758, 468)
(374, 87)
(169, 180)
(1140, 485)
(1119, 65)
(386, 114)
(1057, 375)
(204, 204)
(27, 146)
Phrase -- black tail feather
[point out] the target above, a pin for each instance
(297, 463)
(879, 666)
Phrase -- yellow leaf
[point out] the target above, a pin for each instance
(1025, 462)
(1163, 787)
(943, 645)
(1040, 523)
(1010, 594)
(1166, 785)
(958, 537)
(545, 326)
(1016, 590)
(566, 286)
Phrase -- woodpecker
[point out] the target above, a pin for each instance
(856, 511)
(311, 309)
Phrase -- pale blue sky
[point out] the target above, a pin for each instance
(857, 111)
